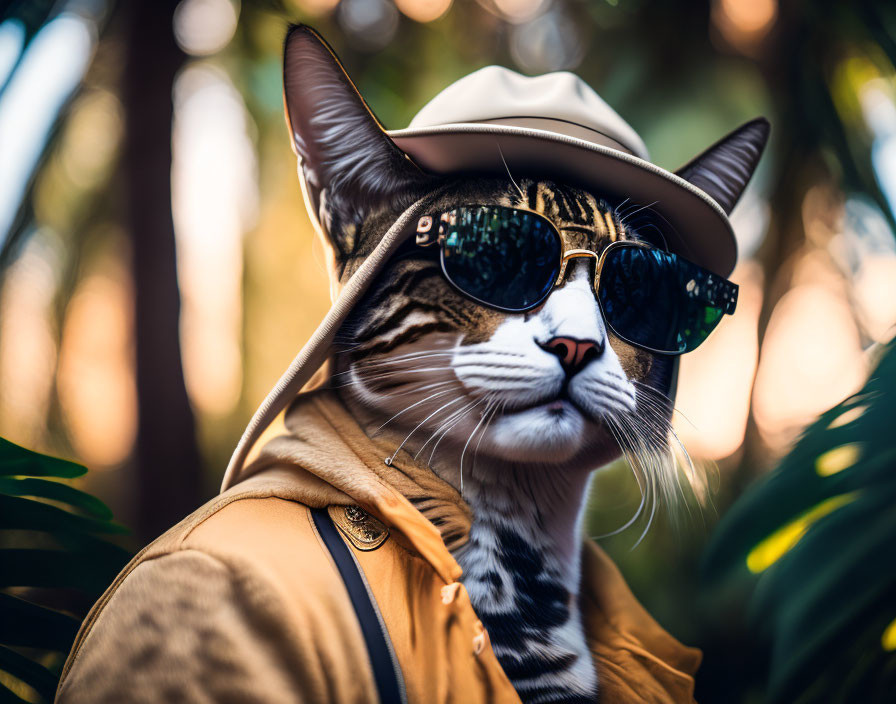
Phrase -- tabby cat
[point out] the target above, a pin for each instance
(514, 410)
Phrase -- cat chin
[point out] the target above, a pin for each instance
(548, 434)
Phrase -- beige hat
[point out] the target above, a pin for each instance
(493, 121)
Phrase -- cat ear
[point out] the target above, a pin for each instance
(723, 170)
(350, 164)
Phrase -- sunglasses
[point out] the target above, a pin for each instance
(511, 259)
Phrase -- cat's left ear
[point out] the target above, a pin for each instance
(350, 164)
(723, 170)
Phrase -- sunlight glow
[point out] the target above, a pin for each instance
(888, 638)
(744, 23)
(811, 360)
(48, 73)
(837, 459)
(848, 416)
(91, 137)
(96, 385)
(203, 27)
(423, 10)
(875, 295)
(775, 546)
(28, 340)
(214, 198)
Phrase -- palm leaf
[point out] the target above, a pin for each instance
(55, 491)
(820, 533)
(16, 460)
(28, 671)
(47, 551)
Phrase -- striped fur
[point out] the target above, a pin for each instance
(452, 381)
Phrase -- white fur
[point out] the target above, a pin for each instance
(514, 370)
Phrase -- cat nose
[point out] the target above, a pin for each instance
(573, 354)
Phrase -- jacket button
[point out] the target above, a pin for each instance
(449, 592)
(480, 639)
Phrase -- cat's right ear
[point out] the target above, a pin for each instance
(349, 163)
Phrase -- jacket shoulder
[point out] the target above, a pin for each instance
(245, 597)
(171, 624)
(271, 536)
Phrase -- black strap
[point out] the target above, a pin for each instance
(384, 674)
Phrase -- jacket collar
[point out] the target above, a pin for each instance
(321, 450)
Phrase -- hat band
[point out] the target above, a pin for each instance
(570, 129)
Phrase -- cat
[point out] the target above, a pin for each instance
(484, 397)
(494, 402)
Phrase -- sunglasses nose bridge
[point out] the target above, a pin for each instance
(573, 254)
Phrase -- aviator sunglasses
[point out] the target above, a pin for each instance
(511, 259)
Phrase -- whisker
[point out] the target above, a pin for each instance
(449, 427)
(449, 419)
(413, 405)
(617, 434)
(391, 458)
(464, 451)
(643, 207)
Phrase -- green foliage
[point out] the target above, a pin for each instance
(821, 533)
(51, 550)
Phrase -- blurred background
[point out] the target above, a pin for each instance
(159, 271)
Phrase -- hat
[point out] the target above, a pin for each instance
(493, 121)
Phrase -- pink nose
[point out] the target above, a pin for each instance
(574, 354)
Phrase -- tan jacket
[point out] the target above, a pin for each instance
(241, 602)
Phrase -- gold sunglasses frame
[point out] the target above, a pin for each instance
(424, 238)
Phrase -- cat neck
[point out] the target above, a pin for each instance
(521, 562)
(542, 505)
(522, 570)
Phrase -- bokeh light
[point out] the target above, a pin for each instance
(517, 11)
(204, 27)
(215, 199)
(28, 346)
(95, 380)
(92, 135)
(423, 10)
(549, 42)
(370, 23)
(50, 70)
(811, 359)
(744, 23)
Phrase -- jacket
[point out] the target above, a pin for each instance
(241, 602)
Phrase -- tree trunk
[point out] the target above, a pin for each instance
(168, 470)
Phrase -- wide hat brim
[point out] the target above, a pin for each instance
(695, 226)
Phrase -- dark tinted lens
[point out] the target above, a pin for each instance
(661, 301)
(503, 257)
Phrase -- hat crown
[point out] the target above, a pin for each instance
(560, 102)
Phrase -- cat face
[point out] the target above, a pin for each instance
(549, 386)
